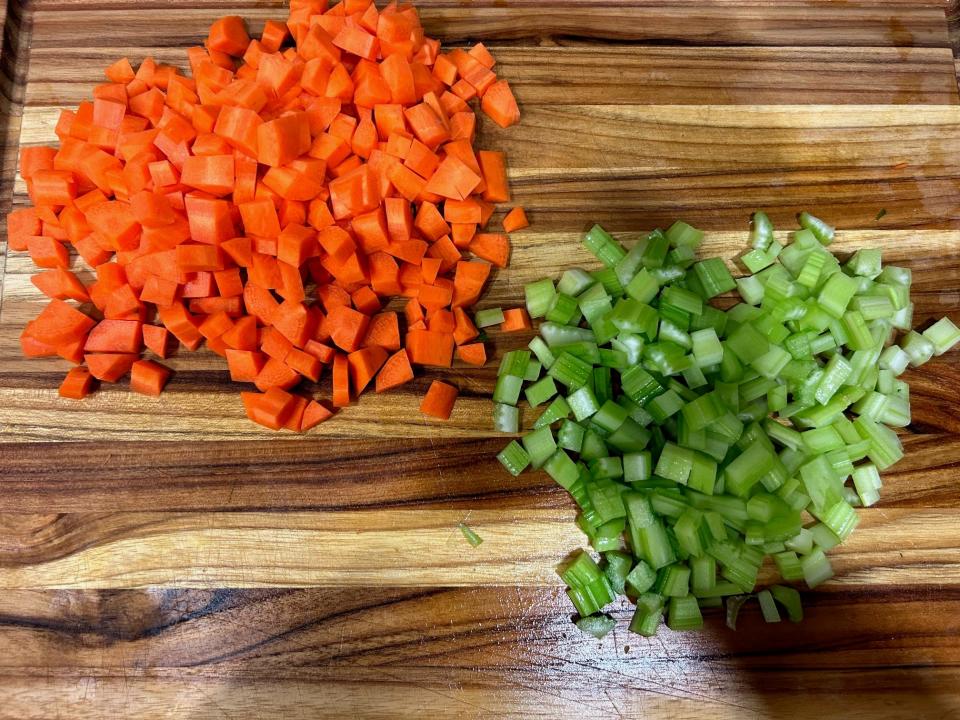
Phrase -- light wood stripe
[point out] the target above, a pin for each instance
(641, 75)
(387, 547)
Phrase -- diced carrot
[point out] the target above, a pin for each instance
(473, 354)
(514, 320)
(395, 372)
(494, 247)
(270, 409)
(77, 384)
(500, 105)
(383, 331)
(61, 284)
(148, 377)
(109, 367)
(157, 339)
(439, 400)
(494, 168)
(362, 130)
(276, 374)
(115, 336)
(515, 220)
(314, 414)
(228, 35)
(364, 364)
(347, 327)
(453, 179)
(341, 381)
(304, 363)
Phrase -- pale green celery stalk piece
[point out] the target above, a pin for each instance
(768, 607)
(684, 614)
(470, 535)
(816, 568)
(514, 458)
(597, 626)
(542, 352)
(943, 335)
(790, 599)
(761, 231)
(506, 418)
(823, 232)
(489, 317)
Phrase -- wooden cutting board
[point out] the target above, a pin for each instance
(167, 559)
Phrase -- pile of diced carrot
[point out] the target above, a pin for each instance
(270, 206)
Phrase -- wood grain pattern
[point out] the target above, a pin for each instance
(122, 520)
(644, 74)
(911, 546)
(311, 653)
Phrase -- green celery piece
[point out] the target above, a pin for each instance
(746, 343)
(557, 410)
(714, 277)
(583, 403)
(608, 467)
(506, 418)
(570, 436)
(768, 607)
(641, 578)
(470, 535)
(647, 617)
(597, 626)
(673, 581)
(790, 599)
(761, 231)
(563, 470)
(617, 568)
(488, 317)
(943, 335)
(514, 458)
(570, 371)
(603, 246)
(542, 352)
(684, 614)
(747, 468)
(562, 309)
(837, 294)
(823, 232)
(656, 250)
(574, 281)
(540, 445)
(648, 537)
(816, 568)
(680, 234)
(540, 391)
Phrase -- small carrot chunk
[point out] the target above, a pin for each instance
(439, 400)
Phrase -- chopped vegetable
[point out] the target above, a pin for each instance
(695, 441)
(269, 206)
(470, 535)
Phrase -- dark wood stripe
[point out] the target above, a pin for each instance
(342, 634)
(344, 475)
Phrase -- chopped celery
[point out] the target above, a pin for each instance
(488, 317)
(943, 335)
(506, 418)
(695, 440)
(684, 614)
(514, 458)
(768, 607)
(470, 535)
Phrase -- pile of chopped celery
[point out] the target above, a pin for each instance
(697, 441)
